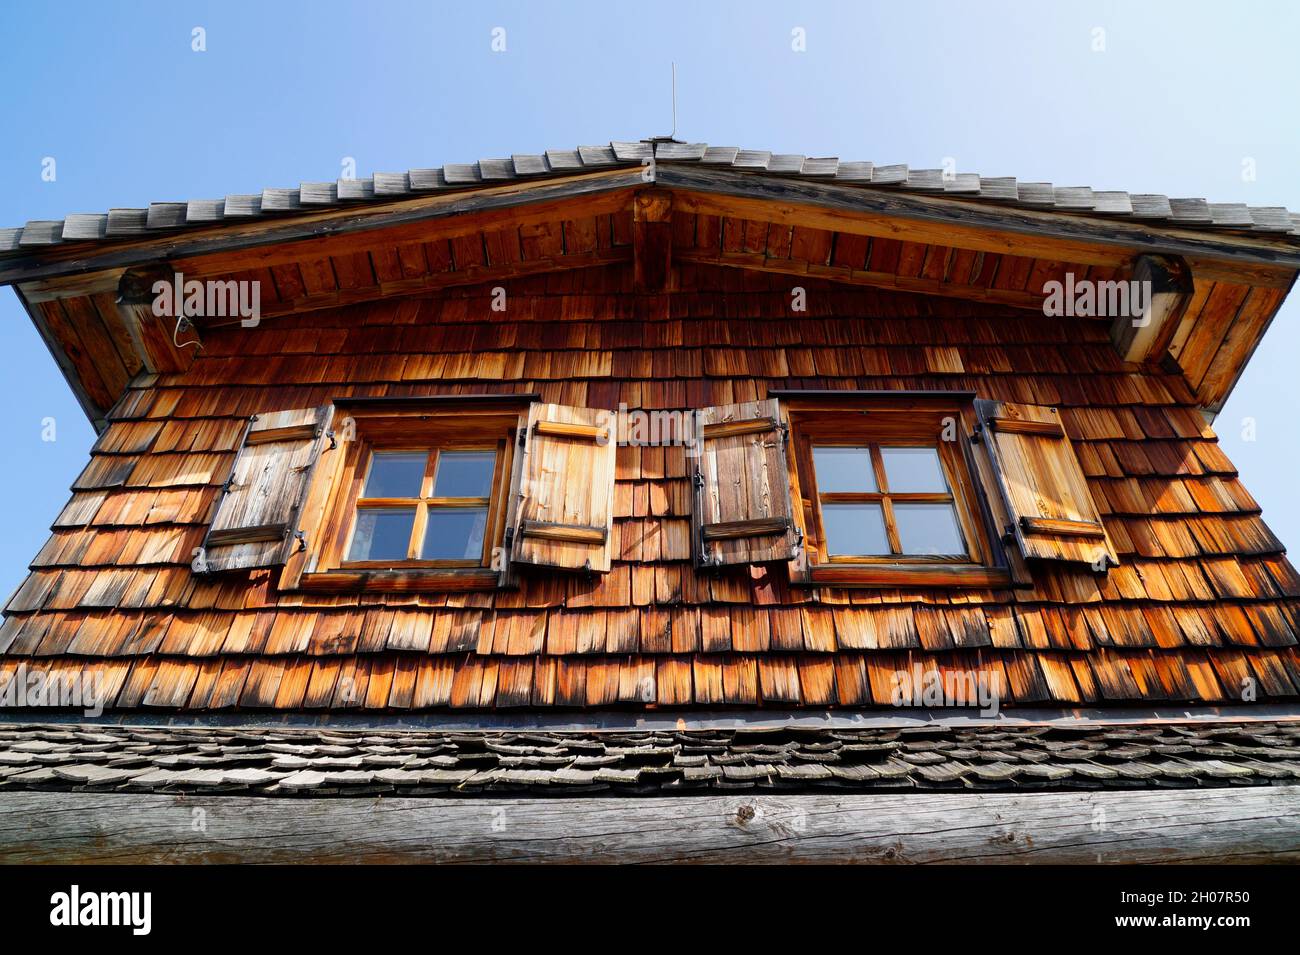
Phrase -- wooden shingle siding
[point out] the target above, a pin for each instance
(1202, 600)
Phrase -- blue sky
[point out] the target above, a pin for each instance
(1180, 96)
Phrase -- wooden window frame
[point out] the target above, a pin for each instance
(365, 426)
(951, 467)
(426, 501)
(893, 419)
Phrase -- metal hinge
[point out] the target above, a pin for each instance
(301, 537)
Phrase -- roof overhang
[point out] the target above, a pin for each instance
(1235, 277)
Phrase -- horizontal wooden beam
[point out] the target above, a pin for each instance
(1228, 825)
(968, 224)
(1055, 528)
(399, 581)
(729, 429)
(571, 533)
(246, 535)
(910, 575)
(737, 530)
(1047, 429)
(567, 429)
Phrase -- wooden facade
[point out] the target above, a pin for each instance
(693, 291)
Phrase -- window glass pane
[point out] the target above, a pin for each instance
(915, 470)
(396, 474)
(464, 474)
(454, 533)
(928, 529)
(382, 533)
(855, 530)
(844, 469)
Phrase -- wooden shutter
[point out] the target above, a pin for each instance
(564, 492)
(1052, 512)
(743, 511)
(257, 514)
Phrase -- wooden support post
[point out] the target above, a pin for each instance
(652, 240)
(1166, 283)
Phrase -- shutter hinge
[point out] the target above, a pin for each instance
(523, 437)
(698, 479)
(1009, 535)
(301, 537)
(509, 538)
(785, 435)
(333, 443)
(978, 435)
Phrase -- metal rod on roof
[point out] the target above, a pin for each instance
(673, 134)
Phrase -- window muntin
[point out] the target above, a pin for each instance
(428, 505)
(890, 501)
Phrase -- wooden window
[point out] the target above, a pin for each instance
(885, 486)
(425, 507)
(414, 496)
(892, 501)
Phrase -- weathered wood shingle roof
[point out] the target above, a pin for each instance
(285, 761)
(162, 217)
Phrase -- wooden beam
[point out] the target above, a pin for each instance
(265, 241)
(756, 261)
(969, 224)
(652, 240)
(1168, 287)
(1237, 824)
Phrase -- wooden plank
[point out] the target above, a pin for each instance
(1051, 429)
(1228, 825)
(727, 429)
(566, 429)
(758, 527)
(563, 532)
(1042, 525)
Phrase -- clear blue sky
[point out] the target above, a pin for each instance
(1180, 96)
